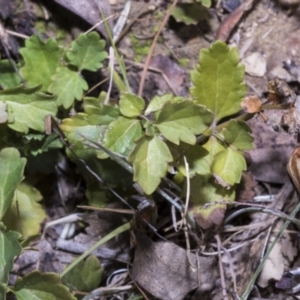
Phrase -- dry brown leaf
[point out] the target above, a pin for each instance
(251, 104)
(163, 269)
(280, 92)
(280, 258)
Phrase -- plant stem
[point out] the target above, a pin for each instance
(105, 239)
(210, 130)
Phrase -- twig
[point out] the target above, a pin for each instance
(184, 214)
(111, 68)
(114, 210)
(5, 44)
(100, 22)
(164, 76)
(232, 20)
(224, 292)
(145, 9)
(147, 62)
(107, 291)
(231, 268)
(121, 21)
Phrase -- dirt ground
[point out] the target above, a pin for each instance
(267, 35)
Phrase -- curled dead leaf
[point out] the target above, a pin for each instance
(251, 104)
(293, 168)
(164, 270)
(280, 92)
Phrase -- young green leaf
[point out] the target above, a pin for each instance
(205, 190)
(150, 159)
(181, 121)
(238, 134)
(11, 174)
(41, 286)
(206, 3)
(67, 85)
(36, 143)
(41, 61)
(131, 105)
(121, 134)
(218, 80)
(27, 109)
(189, 13)
(197, 163)
(87, 52)
(85, 276)
(213, 147)
(27, 210)
(8, 76)
(78, 126)
(159, 101)
(228, 166)
(99, 113)
(97, 197)
(10, 247)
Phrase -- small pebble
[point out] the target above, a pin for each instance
(230, 5)
(255, 64)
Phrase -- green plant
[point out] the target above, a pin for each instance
(154, 136)
(133, 136)
(48, 68)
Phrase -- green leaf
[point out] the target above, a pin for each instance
(3, 112)
(99, 113)
(78, 126)
(41, 286)
(41, 61)
(97, 197)
(11, 174)
(228, 166)
(121, 134)
(218, 80)
(181, 121)
(3, 291)
(10, 247)
(205, 191)
(87, 52)
(37, 143)
(8, 76)
(197, 164)
(67, 85)
(206, 3)
(27, 108)
(189, 13)
(43, 163)
(238, 134)
(25, 214)
(131, 105)
(150, 159)
(213, 147)
(159, 101)
(85, 276)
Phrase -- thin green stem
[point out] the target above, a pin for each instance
(119, 59)
(105, 239)
(211, 130)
